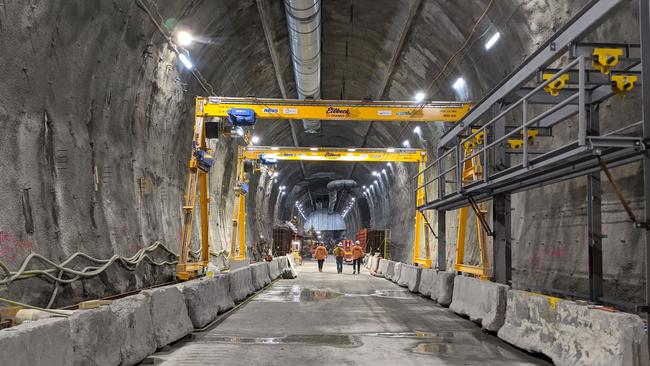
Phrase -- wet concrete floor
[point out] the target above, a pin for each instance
(342, 319)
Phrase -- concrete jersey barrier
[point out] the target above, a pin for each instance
(573, 334)
(443, 287)
(274, 268)
(45, 342)
(382, 269)
(241, 284)
(426, 281)
(483, 302)
(260, 275)
(168, 314)
(205, 298)
(374, 263)
(133, 315)
(390, 270)
(397, 272)
(96, 337)
(410, 277)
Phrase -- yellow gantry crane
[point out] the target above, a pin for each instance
(234, 113)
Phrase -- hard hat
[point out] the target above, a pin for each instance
(356, 242)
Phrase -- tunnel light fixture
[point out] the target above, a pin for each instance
(240, 131)
(493, 40)
(353, 199)
(375, 182)
(255, 139)
(186, 61)
(275, 174)
(389, 164)
(383, 171)
(390, 150)
(275, 148)
(374, 172)
(459, 84)
(417, 130)
(313, 148)
(419, 96)
(406, 143)
(363, 187)
(352, 150)
(184, 38)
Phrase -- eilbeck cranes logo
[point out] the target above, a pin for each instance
(337, 112)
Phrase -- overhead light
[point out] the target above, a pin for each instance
(383, 171)
(492, 40)
(374, 173)
(275, 148)
(351, 150)
(390, 150)
(419, 96)
(185, 60)
(363, 187)
(313, 148)
(389, 164)
(375, 182)
(255, 139)
(459, 84)
(240, 131)
(417, 130)
(353, 199)
(184, 38)
(282, 193)
(406, 143)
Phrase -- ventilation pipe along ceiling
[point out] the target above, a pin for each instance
(303, 21)
(333, 187)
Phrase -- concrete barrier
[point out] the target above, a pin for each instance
(410, 277)
(390, 270)
(96, 337)
(274, 268)
(44, 342)
(383, 267)
(260, 275)
(241, 284)
(573, 334)
(427, 281)
(443, 287)
(133, 315)
(168, 314)
(374, 263)
(201, 297)
(397, 272)
(289, 272)
(483, 302)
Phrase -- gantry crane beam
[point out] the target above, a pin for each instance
(338, 110)
(334, 154)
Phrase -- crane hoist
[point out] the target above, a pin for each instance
(229, 116)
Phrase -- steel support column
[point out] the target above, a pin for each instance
(644, 11)
(442, 218)
(594, 217)
(501, 223)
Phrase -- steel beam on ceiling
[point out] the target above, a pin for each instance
(590, 16)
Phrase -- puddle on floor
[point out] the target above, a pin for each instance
(334, 340)
(298, 293)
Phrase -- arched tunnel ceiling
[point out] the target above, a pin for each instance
(379, 49)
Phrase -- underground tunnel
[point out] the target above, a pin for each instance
(170, 170)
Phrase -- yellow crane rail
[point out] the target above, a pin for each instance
(338, 110)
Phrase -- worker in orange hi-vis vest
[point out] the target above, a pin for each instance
(339, 254)
(321, 254)
(357, 257)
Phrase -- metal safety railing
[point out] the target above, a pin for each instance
(458, 157)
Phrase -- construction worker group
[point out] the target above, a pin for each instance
(339, 255)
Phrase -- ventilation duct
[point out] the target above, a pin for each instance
(334, 186)
(303, 22)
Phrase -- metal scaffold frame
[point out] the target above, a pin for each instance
(594, 73)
